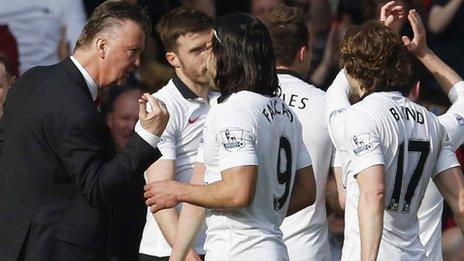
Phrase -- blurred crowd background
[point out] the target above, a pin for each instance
(34, 32)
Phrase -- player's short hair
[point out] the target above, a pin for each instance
(7, 65)
(287, 26)
(109, 15)
(377, 58)
(244, 56)
(179, 22)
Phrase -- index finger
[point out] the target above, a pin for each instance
(153, 101)
(416, 23)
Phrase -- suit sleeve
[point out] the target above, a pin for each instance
(1, 134)
(99, 178)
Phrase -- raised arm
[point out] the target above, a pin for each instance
(445, 76)
(82, 152)
(441, 16)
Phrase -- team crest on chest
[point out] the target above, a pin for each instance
(232, 139)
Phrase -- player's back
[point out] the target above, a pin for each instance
(306, 232)
(267, 123)
(388, 129)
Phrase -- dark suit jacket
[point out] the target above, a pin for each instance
(59, 175)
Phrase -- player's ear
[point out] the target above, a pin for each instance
(302, 52)
(173, 59)
(415, 92)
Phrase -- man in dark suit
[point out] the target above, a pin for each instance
(59, 174)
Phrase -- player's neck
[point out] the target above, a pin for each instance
(199, 89)
(290, 68)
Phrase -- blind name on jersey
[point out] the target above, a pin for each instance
(407, 113)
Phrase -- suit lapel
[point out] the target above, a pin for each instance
(77, 76)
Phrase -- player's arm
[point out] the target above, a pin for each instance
(371, 182)
(337, 101)
(444, 75)
(304, 190)
(451, 185)
(235, 190)
(363, 145)
(337, 171)
(238, 166)
(167, 218)
(441, 16)
(337, 95)
(190, 220)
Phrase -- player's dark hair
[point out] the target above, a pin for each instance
(287, 27)
(377, 58)
(179, 22)
(244, 56)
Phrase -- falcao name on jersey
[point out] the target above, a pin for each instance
(277, 107)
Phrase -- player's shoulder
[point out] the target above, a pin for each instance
(170, 96)
(166, 92)
(376, 103)
(236, 103)
(368, 110)
(289, 83)
(239, 107)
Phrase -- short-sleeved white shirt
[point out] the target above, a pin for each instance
(251, 129)
(388, 129)
(430, 211)
(179, 142)
(305, 232)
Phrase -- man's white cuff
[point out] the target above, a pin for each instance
(147, 136)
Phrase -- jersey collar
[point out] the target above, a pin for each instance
(183, 89)
(292, 73)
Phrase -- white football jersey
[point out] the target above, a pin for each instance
(305, 232)
(388, 129)
(336, 103)
(179, 142)
(251, 129)
(430, 211)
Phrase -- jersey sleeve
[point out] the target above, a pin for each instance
(453, 119)
(446, 158)
(362, 142)
(168, 140)
(337, 102)
(235, 137)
